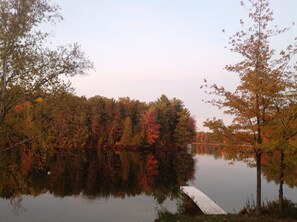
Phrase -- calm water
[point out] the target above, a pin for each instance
(232, 184)
(47, 207)
(88, 185)
(119, 185)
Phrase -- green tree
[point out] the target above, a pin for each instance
(126, 138)
(165, 119)
(261, 82)
(27, 66)
(185, 129)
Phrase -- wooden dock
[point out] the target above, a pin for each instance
(206, 205)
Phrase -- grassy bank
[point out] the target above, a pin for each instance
(180, 217)
(189, 212)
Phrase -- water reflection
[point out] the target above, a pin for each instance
(270, 162)
(104, 182)
(233, 185)
(94, 173)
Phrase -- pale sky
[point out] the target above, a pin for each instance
(145, 48)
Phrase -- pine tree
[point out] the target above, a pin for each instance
(183, 133)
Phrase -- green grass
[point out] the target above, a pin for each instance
(166, 216)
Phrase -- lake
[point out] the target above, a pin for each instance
(92, 185)
(232, 184)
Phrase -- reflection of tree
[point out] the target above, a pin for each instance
(182, 170)
(281, 170)
(217, 151)
(271, 169)
(66, 173)
(157, 172)
(270, 161)
(150, 170)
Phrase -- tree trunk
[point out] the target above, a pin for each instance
(281, 183)
(258, 200)
(3, 91)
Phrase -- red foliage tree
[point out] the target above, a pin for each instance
(150, 126)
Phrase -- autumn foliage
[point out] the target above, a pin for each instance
(263, 106)
(67, 121)
(150, 126)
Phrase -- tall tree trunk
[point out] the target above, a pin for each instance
(259, 166)
(3, 91)
(258, 201)
(281, 183)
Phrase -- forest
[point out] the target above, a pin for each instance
(63, 120)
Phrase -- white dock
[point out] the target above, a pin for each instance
(206, 205)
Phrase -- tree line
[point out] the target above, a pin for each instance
(65, 120)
